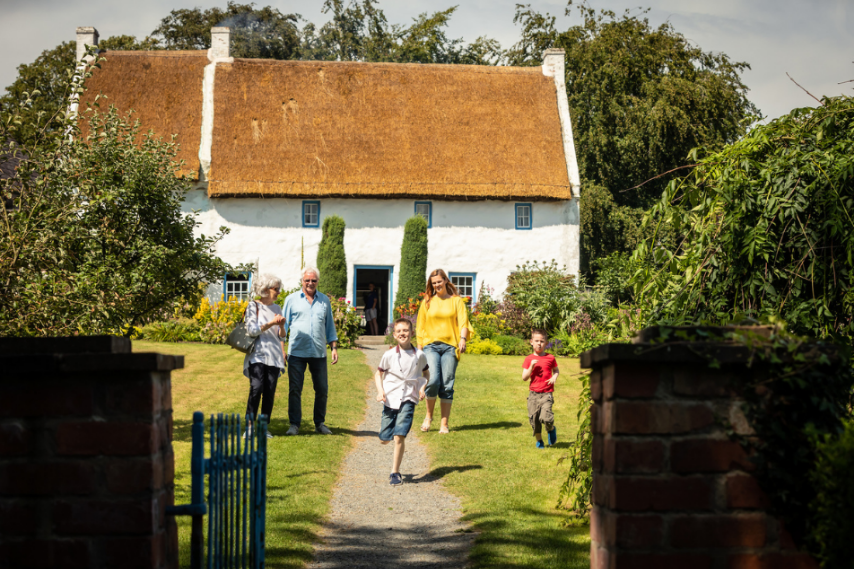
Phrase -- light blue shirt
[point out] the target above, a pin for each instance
(311, 326)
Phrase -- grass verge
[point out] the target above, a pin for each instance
(508, 488)
(301, 470)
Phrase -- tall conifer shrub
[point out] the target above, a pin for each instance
(413, 260)
(331, 261)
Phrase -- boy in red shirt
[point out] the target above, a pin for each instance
(541, 370)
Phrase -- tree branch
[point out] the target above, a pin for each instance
(657, 177)
(805, 91)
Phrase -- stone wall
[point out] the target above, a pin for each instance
(86, 463)
(671, 488)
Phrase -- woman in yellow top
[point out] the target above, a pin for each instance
(442, 328)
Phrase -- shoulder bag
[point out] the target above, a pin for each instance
(239, 338)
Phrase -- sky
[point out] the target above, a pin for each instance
(809, 39)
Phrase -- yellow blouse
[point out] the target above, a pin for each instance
(443, 322)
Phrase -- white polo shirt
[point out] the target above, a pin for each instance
(403, 375)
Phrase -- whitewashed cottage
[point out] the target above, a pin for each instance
(485, 154)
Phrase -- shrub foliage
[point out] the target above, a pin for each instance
(331, 260)
(833, 524)
(92, 237)
(764, 227)
(413, 260)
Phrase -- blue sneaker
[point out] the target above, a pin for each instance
(540, 444)
(553, 436)
(395, 479)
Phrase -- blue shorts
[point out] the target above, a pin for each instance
(397, 422)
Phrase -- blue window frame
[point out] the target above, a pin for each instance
(311, 213)
(425, 210)
(236, 285)
(466, 284)
(524, 216)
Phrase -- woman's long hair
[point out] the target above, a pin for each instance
(449, 286)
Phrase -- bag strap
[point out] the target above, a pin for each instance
(255, 302)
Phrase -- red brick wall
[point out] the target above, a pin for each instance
(86, 463)
(670, 488)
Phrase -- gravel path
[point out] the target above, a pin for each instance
(374, 525)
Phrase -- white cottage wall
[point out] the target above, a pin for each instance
(466, 237)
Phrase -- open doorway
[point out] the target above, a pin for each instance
(381, 277)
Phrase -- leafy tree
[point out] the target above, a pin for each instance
(129, 43)
(93, 239)
(640, 97)
(765, 229)
(42, 85)
(44, 82)
(413, 260)
(606, 227)
(360, 32)
(331, 260)
(255, 33)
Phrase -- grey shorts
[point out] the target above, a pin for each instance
(540, 411)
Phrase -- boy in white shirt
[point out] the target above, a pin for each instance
(401, 378)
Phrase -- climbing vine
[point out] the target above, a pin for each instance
(763, 228)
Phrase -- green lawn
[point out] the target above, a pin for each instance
(508, 488)
(300, 470)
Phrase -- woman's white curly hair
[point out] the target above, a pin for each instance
(265, 282)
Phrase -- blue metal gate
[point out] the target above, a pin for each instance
(237, 492)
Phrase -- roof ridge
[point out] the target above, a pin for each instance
(158, 52)
(444, 66)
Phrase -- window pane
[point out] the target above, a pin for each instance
(523, 216)
(310, 213)
(423, 209)
(463, 284)
(237, 286)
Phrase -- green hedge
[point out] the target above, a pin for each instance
(413, 260)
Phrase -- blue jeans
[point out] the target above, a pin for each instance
(396, 422)
(442, 360)
(296, 378)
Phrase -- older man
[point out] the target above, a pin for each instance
(308, 317)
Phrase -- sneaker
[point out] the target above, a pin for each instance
(269, 435)
(293, 430)
(395, 479)
(553, 436)
(322, 429)
(540, 444)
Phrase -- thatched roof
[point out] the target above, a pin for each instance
(164, 88)
(345, 129)
(293, 128)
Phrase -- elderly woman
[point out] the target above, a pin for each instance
(442, 328)
(266, 361)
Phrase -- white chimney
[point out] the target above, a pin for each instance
(220, 40)
(554, 66)
(85, 36)
(554, 62)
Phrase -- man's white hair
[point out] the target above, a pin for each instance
(308, 270)
(265, 282)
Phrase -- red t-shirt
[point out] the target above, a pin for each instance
(542, 372)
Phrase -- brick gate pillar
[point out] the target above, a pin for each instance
(671, 489)
(86, 463)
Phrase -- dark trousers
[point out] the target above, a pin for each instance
(296, 378)
(262, 382)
